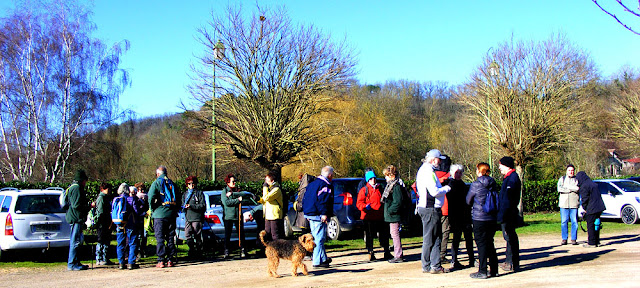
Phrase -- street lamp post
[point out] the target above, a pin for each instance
(218, 54)
(494, 69)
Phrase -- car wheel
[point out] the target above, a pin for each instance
(629, 214)
(333, 229)
(288, 230)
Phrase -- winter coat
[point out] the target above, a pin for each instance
(589, 194)
(197, 206)
(370, 196)
(318, 200)
(568, 189)
(230, 203)
(155, 201)
(477, 195)
(78, 205)
(273, 203)
(459, 211)
(300, 221)
(509, 198)
(103, 210)
(393, 204)
(138, 209)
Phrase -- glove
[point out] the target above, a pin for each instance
(368, 207)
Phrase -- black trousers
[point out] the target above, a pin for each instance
(512, 252)
(275, 228)
(370, 229)
(483, 231)
(593, 236)
(458, 229)
(228, 228)
(165, 230)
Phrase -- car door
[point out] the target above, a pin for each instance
(608, 192)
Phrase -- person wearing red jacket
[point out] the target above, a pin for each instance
(372, 214)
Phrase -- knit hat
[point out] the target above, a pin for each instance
(80, 175)
(508, 161)
(369, 175)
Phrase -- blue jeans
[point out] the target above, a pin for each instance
(75, 239)
(319, 232)
(565, 214)
(431, 238)
(122, 234)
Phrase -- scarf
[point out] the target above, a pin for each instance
(387, 189)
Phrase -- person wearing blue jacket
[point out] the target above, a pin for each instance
(128, 233)
(508, 215)
(484, 224)
(317, 206)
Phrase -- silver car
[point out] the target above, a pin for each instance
(213, 228)
(32, 219)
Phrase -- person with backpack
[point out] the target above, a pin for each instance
(568, 201)
(77, 206)
(231, 198)
(459, 216)
(164, 202)
(194, 206)
(508, 214)
(127, 213)
(146, 225)
(372, 214)
(484, 223)
(103, 224)
(396, 200)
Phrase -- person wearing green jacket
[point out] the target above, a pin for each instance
(165, 212)
(103, 224)
(76, 215)
(392, 197)
(231, 198)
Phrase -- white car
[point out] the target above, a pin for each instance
(32, 219)
(621, 198)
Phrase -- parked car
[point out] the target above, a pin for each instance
(346, 216)
(213, 228)
(31, 219)
(621, 198)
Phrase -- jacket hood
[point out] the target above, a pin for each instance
(582, 178)
(486, 181)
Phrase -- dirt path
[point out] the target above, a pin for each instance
(544, 264)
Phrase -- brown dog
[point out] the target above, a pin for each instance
(293, 250)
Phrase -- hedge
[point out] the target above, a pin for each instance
(538, 196)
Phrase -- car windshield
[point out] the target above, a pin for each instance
(628, 186)
(247, 200)
(38, 204)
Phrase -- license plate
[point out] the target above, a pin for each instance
(45, 228)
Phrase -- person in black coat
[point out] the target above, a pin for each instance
(459, 216)
(508, 214)
(593, 206)
(484, 224)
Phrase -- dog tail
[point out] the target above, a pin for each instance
(262, 234)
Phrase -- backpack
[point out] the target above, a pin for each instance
(168, 192)
(119, 213)
(491, 202)
(64, 204)
(302, 188)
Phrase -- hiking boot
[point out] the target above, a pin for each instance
(439, 270)
(101, 263)
(171, 263)
(121, 266)
(371, 257)
(478, 275)
(160, 265)
(456, 265)
(564, 242)
(507, 267)
(396, 260)
(574, 242)
(133, 266)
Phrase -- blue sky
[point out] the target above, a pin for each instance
(414, 40)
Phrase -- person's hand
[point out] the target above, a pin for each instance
(368, 207)
(240, 198)
(187, 206)
(228, 194)
(93, 204)
(247, 216)
(323, 218)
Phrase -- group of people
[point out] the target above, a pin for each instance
(445, 204)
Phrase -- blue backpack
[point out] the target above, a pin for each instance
(119, 213)
(491, 202)
(167, 192)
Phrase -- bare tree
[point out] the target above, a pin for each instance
(628, 13)
(626, 110)
(57, 84)
(273, 85)
(533, 101)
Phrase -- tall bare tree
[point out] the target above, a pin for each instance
(57, 83)
(626, 110)
(533, 99)
(273, 85)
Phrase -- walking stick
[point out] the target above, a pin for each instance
(239, 225)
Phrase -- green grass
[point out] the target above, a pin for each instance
(538, 223)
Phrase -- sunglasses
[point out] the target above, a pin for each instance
(190, 183)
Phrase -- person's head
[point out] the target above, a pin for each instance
(506, 164)
(105, 187)
(141, 188)
(456, 171)
(81, 177)
(133, 190)
(433, 157)
(191, 182)
(230, 180)
(483, 169)
(367, 170)
(390, 172)
(161, 170)
(327, 172)
(270, 178)
(370, 177)
(123, 188)
(571, 171)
